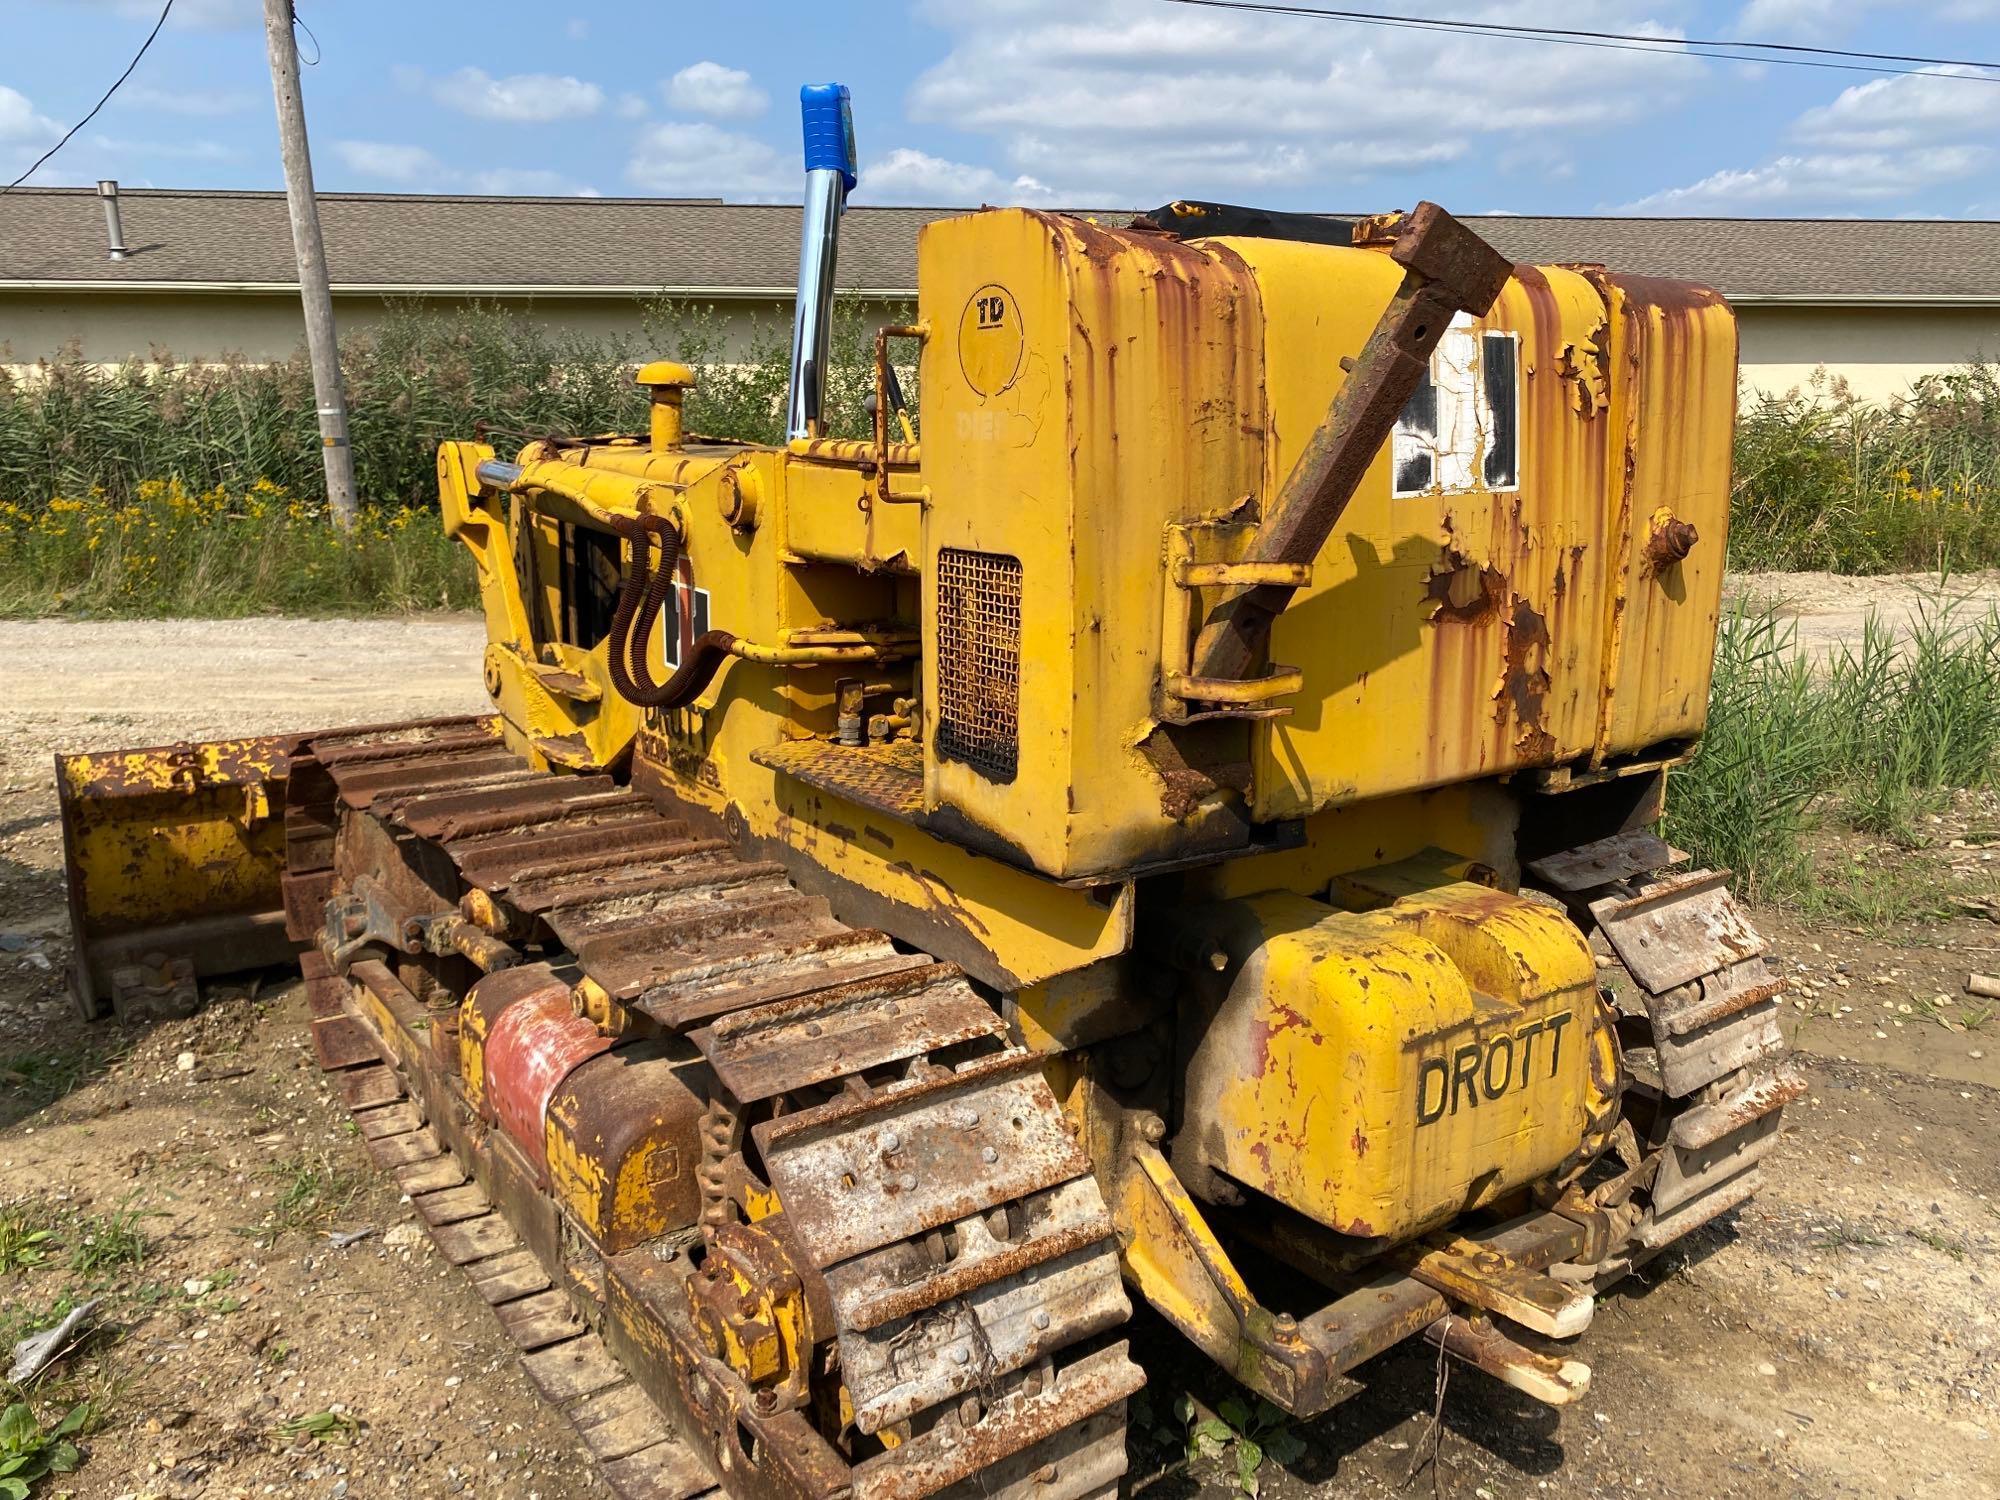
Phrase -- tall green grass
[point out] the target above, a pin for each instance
(1871, 738)
(1824, 481)
(419, 377)
(196, 488)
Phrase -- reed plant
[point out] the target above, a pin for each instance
(1870, 738)
(1828, 482)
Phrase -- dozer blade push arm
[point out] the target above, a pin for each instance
(1447, 269)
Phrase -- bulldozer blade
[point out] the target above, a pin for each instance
(172, 856)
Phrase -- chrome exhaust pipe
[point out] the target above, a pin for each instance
(829, 140)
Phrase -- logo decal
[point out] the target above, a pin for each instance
(1488, 1069)
(991, 340)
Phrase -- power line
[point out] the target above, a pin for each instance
(1617, 41)
(98, 105)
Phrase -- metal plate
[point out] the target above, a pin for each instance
(1603, 861)
(1674, 931)
(842, 1029)
(1019, 1422)
(857, 1177)
(901, 1368)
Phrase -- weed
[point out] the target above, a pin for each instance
(312, 1190)
(1943, 1244)
(1872, 736)
(320, 1427)
(30, 1452)
(25, 1241)
(1246, 1435)
(1827, 481)
(106, 1242)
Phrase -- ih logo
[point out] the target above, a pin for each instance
(1489, 1069)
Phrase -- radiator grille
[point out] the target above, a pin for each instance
(979, 661)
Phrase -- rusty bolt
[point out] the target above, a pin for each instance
(1672, 540)
(1286, 1325)
(767, 1400)
(891, 1141)
(1046, 1474)
(1152, 1128)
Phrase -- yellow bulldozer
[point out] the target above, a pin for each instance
(1172, 816)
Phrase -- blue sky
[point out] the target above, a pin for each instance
(1052, 102)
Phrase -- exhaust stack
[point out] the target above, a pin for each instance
(114, 228)
(829, 140)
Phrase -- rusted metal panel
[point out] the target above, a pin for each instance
(952, 1451)
(925, 1155)
(850, 1027)
(901, 1280)
(1447, 269)
(581, 1367)
(1604, 861)
(1551, 1380)
(1484, 1277)
(899, 1369)
(703, 991)
(623, 1144)
(1676, 930)
(532, 1047)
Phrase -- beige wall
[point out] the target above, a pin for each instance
(116, 326)
(1878, 351)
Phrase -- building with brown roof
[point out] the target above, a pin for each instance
(1872, 302)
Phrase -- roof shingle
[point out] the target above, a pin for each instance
(396, 240)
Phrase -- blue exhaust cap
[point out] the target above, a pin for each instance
(829, 126)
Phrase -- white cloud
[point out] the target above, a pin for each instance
(21, 123)
(1874, 148)
(905, 175)
(406, 166)
(1845, 182)
(170, 150)
(1891, 113)
(1134, 103)
(191, 101)
(708, 88)
(418, 168)
(1826, 21)
(630, 107)
(201, 15)
(527, 182)
(519, 98)
(693, 160)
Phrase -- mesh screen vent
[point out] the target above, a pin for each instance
(979, 661)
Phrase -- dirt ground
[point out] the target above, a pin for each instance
(1828, 608)
(1838, 1337)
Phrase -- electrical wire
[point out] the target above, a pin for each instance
(98, 105)
(1616, 41)
(299, 22)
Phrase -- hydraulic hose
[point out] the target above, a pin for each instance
(642, 598)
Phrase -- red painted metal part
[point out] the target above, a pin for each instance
(534, 1045)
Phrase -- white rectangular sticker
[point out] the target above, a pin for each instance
(1461, 429)
(691, 619)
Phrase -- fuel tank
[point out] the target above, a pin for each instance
(1384, 1071)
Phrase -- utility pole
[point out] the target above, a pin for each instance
(321, 344)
